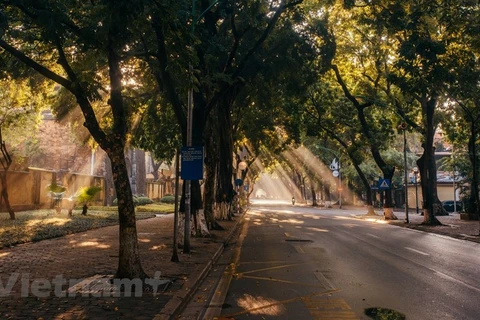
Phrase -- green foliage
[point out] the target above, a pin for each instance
(384, 314)
(142, 200)
(42, 224)
(138, 200)
(168, 199)
(56, 192)
(86, 194)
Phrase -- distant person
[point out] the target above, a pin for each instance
(293, 201)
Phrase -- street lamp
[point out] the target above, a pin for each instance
(415, 173)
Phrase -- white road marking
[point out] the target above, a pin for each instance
(446, 276)
(324, 281)
(417, 251)
(373, 236)
(299, 249)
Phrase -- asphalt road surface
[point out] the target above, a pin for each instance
(296, 262)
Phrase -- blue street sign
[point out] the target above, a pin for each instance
(384, 184)
(192, 163)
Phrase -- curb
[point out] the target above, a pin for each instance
(180, 300)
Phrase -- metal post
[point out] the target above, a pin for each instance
(340, 185)
(188, 195)
(454, 193)
(175, 217)
(415, 172)
(406, 173)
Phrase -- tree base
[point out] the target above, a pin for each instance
(370, 211)
(430, 220)
(433, 223)
(388, 214)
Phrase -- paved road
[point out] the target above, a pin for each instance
(306, 263)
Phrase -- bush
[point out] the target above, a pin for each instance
(86, 194)
(168, 199)
(141, 201)
(138, 200)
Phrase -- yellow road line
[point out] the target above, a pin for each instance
(273, 268)
(287, 281)
(329, 309)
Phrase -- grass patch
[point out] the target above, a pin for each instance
(158, 208)
(38, 225)
(384, 314)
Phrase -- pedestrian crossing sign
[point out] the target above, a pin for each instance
(384, 184)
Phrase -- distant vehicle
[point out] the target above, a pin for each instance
(449, 206)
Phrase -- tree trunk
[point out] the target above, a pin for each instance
(155, 166)
(209, 186)
(225, 189)
(3, 178)
(129, 265)
(110, 192)
(141, 174)
(314, 195)
(84, 210)
(426, 164)
(472, 154)
(388, 203)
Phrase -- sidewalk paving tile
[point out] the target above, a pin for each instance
(95, 253)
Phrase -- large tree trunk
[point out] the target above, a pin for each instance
(110, 192)
(209, 186)
(388, 204)
(129, 265)
(426, 164)
(3, 177)
(225, 191)
(474, 199)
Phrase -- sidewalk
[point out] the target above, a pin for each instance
(452, 225)
(93, 254)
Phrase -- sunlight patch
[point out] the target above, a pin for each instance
(93, 244)
(261, 305)
(54, 221)
(317, 229)
(159, 247)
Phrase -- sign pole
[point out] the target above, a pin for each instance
(175, 217)
(188, 189)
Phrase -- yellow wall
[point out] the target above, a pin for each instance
(445, 192)
(27, 190)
